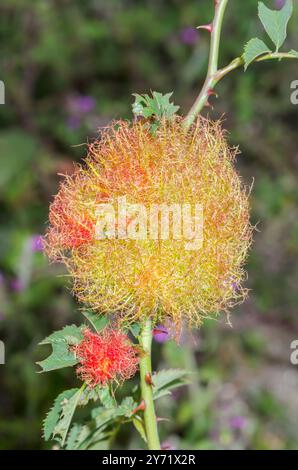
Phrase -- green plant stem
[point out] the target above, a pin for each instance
(239, 61)
(220, 7)
(146, 389)
(214, 75)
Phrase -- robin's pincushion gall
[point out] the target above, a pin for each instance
(105, 357)
(155, 278)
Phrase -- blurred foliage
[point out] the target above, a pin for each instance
(69, 67)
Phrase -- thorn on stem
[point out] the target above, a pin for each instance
(159, 419)
(211, 92)
(208, 27)
(148, 379)
(140, 407)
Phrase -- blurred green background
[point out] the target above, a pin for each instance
(69, 67)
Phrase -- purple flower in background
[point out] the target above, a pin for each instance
(160, 334)
(238, 422)
(279, 3)
(77, 107)
(17, 285)
(81, 104)
(36, 243)
(1, 278)
(189, 35)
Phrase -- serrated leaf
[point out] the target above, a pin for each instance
(162, 104)
(71, 334)
(89, 394)
(81, 437)
(53, 415)
(59, 358)
(92, 438)
(96, 431)
(127, 406)
(253, 49)
(103, 415)
(166, 380)
(68, 407)
(139, 425)
(60, 341)
(157, 105)
(275, 22)
(106, 398)
(294, 53)
(73, 436)
(97, 321)
(94, 434)
(100, 393)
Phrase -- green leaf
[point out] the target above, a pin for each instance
(86, 437)
(79, 437)
(60, 357)
(89, 394)
(139, 425)
(157, 105)
(166, 380)
(111, 410)
(71, 334)
(97, 321)
(102, 415)
(253, 49)
(98, 393)
(73, 436)
(95, 431)
(106, 398)
(60, 341)
(294, 53)
(104, 419)
(53, 415)
(127, 406)
(275, 22)
(68, 407)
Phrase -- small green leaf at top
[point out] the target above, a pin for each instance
(253, 49)
(275, 22)
(156, 106)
